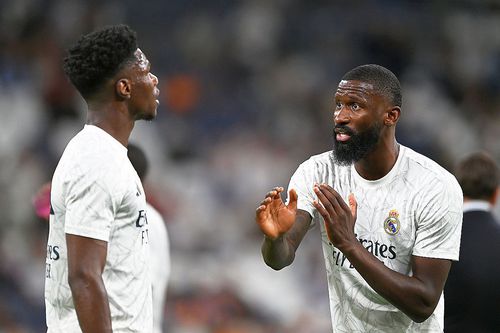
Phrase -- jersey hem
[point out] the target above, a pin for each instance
(443, 255)
(86, 233)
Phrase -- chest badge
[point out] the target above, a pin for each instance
(391, 223)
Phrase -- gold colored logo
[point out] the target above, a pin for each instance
(391, 223)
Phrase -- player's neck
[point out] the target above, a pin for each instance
(113, 120)
(380, 161)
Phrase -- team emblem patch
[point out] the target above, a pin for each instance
(392, 224)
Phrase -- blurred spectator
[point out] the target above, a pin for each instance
(472, 295)
(158, 242)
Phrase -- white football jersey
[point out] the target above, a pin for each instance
(415, 210)
(96, 193)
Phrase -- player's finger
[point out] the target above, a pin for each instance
(274, 192)
(323, 212)
(327, 204)
(292, 203)
(335, 198)
(271, 194)
(353, 205)
(328, 222)
(260, 213)
(266, 201)
(326, 219)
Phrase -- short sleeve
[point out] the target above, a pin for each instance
(89, 205)
(302, 181)
(439, 222)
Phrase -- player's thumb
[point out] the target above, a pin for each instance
(353, 205)
(292, 199)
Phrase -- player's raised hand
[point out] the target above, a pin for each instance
(339, 216)
(273, 217)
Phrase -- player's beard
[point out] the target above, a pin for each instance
(357, 147)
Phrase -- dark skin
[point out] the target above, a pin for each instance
(86, 259)
(358, 106)
(129, 96)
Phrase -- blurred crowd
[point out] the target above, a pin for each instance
(246, 95)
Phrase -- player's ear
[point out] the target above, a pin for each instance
(123, 88)
(392, 116)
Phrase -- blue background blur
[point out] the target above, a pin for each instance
(246, 95)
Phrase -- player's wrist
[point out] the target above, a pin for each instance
(349, 247)
(276, 239)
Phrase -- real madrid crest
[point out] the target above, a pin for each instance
(391, 223)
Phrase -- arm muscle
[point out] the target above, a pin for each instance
(416, 295)
(86, 260)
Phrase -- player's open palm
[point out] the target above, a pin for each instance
(273, 217)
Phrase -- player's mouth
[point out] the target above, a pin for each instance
(342, 137)
(343, 133)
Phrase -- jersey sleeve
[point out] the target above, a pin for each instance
(303, 181)
(90, 209)
(439, 222)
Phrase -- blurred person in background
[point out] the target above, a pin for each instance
(472, 291)
(388, 250)
(97, 265)
(158, 242)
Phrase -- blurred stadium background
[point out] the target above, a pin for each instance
(246, 95)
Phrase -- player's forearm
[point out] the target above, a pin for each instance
(277, 253)
(91, 303)
(408, 294)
